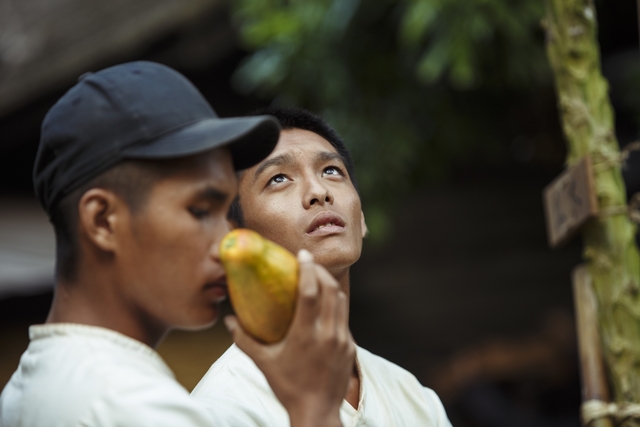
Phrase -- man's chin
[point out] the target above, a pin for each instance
(335, 259)
(203, 321)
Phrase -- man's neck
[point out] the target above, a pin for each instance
(95, 305)
(342, 276)
(352, 396)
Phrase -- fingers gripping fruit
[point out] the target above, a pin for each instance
(262, 278)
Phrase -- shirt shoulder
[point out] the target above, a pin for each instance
(393, 393)
(54, 373)
(146, 403)
(89, 381)
(374, 364)
(237, 393)
(233, 366)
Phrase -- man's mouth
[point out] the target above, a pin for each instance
(326, 223)
(329, 224)
(218, 289)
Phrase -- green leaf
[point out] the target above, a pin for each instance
(434, 61)
(417, 20)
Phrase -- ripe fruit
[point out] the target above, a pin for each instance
(262, 279)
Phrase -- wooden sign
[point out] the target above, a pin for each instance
(569, 201)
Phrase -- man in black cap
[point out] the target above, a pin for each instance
(137, 173)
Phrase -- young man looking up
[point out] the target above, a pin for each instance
(136, 172)
(303, 196)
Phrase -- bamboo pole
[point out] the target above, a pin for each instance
(638, 12)
(592, 373)
(609, 239)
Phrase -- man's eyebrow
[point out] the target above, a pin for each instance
(282, 159)
(213, 194)
(325, 156)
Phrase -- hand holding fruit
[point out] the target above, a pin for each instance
(309, 368)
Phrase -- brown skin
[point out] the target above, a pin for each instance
(281, 197)
(145, 273)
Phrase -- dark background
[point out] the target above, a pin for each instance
(457, 284)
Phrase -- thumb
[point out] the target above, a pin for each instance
(243, 340)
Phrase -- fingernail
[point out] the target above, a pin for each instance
(305, 256)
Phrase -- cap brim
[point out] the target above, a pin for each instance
(250, 139)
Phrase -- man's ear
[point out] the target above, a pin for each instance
(99, 211)
(363, 225)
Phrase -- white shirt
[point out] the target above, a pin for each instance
(77, 375)
(237, 392)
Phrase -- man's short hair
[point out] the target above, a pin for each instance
(131, 180)
(299, 118)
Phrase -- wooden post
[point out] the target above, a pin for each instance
(638, 12)
(609, 239)
(594, 380)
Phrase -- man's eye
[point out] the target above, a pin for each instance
(277, 179)
(332, 170)
(199, 213)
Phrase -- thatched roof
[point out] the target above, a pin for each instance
(47, 44)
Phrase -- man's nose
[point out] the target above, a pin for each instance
(221, 230)
(317, 193)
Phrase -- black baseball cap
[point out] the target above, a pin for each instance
(137, 110)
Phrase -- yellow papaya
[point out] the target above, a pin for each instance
(262, 279)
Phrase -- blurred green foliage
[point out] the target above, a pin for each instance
(412, 85)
